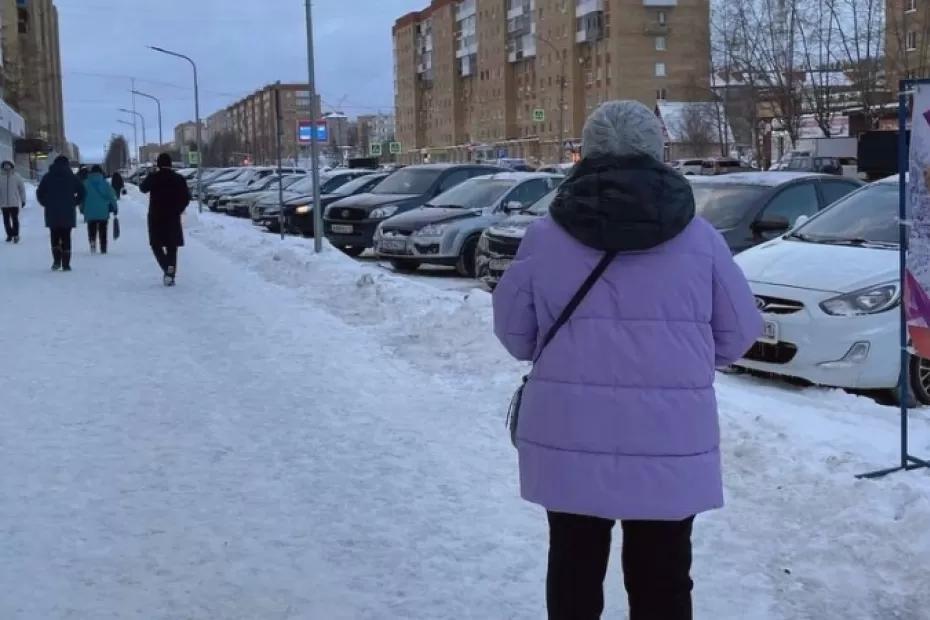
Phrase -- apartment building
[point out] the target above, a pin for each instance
(907, 40)
(32, 71)
(253, 121)
(485, 78)
(375, 129)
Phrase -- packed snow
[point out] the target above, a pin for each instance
(286, 435)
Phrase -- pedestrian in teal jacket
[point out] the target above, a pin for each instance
(99, 202)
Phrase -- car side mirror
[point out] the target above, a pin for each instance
(771, 225)
(513, 206)
(801, 221)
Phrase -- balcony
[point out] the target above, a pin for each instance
(655, 29)
(586, 7)
(465, 9)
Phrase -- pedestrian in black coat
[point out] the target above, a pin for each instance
(118, 184)
(60, 192)
(169, 196)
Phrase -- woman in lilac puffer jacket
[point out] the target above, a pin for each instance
(619, 418)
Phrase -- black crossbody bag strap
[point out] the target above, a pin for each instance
(576, 301)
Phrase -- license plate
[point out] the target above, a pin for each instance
(770, 332)
(499, 264)
(343, 229)
(394, 245)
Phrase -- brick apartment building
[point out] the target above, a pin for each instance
(907, 40)
(479, 78)
(31, 71)
(252, 121)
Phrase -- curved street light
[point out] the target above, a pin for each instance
(162, 50)
(157, 101)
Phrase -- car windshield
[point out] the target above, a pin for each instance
(867, 216)
(541, 206)
(473, 194)
(229, 175)
(305, 184)
(725, 205)
(353, 186)
(408, 181)
(334, 182)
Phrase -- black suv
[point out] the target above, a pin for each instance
(350, 223)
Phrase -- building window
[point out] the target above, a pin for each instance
(660, 69)
(912, 40)
(661, 44)
(662, 18)
(662, 94)
(911, 6)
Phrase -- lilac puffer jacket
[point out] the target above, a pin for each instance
(619, 418)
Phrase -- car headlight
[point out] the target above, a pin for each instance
(384, 212)
(870, 300)
(483, 244)
(303, 210)
(431, 230)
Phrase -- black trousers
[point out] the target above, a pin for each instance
(656, 567)
(98, 230)
(61, 246)
(167, 256)
(11, 221)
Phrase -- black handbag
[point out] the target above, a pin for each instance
(513, 412)
(115, 227)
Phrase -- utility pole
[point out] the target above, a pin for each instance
(277, 133)
(140, 117)
(135, 134)
(314, 143)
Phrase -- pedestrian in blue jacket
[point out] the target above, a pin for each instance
(99, 203)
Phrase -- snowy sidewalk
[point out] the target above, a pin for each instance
(290, 436)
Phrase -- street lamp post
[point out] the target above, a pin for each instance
(314, 143)
(197, 120)
(142, 118)
(562, 87)
(157, 101)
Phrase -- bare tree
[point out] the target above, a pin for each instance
(700, 130)
(822, 77)
(767, 34)
(859, 27)
(117, 156)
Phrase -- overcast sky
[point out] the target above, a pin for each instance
(239, 46)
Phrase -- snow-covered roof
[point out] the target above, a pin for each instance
(674, 115)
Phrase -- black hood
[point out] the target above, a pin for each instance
(623, 203)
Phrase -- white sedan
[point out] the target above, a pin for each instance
(829, 292)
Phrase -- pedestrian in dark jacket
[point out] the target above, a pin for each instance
(99, 203)
(618, 420)
(60, 193)
(118, 184)
(12, 199)
(169, 196)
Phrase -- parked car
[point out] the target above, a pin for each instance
(240, 202)
(822, 165)
(265, 212)
(722, 165)
(248, 178)
(688, 166)
(298, 212)
(350, 223)
(498, 245)
(829, 293)
(750, 208)
(445, 231)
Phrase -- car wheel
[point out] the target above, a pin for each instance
(919, 375)
(466, 264)
(352, 251)
(405, 266)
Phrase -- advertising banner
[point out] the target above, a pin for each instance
(917, 275)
